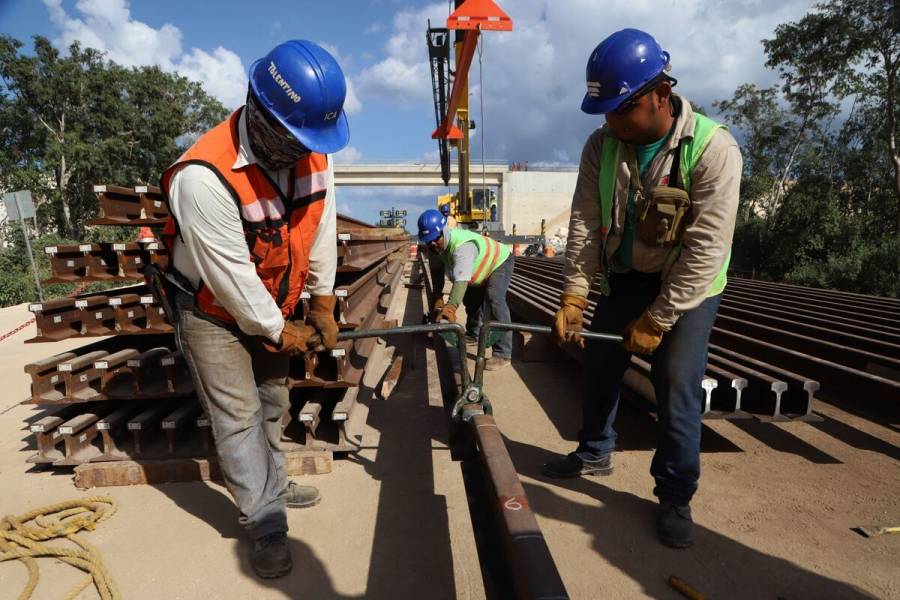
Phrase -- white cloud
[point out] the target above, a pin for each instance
(348, 155)
(403, 77)
(107, 25)
(221, 74)
(534, 75)
(375, 27)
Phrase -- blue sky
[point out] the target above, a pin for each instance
(533, 76)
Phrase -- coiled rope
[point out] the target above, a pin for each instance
(22, 537)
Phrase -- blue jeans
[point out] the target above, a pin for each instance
(490, 300)
(243, 388)
(677, 373)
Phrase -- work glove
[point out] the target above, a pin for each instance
(294, 338)
(438, 307)
(569, 319)
(643, 335)
(446, 313)
(321, 317)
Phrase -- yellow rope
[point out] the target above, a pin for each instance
(21, 537)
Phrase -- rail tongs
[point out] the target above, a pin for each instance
(472, 400)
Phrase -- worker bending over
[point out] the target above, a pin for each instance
(253, 223)
(654, 208)
(479, 268)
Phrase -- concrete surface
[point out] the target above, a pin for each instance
(393, 522)
(774, 511)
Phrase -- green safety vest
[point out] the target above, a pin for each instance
(491, 253)
(691, 150)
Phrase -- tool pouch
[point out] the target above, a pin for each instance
(663, 215)
(662, 218)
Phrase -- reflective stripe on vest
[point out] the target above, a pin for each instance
(491, 253)
(279, 231)
(692, 150)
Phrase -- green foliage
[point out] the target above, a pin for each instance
(820, 197)
(68, 122)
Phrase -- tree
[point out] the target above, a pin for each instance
(819, 198)
(847, 48)
(68, 122)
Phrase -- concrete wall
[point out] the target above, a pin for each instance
(529, 196)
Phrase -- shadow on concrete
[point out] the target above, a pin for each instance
(557, 387)
(214, 506)
(623, 533)
(855, 437)
(411, 553)
(784, 441)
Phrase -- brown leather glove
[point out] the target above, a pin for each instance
(294, 337)
(446, 313)
(643, 335)
(569, 319)
(321, 316)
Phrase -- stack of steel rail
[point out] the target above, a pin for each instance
(773, 347)
(130, 397)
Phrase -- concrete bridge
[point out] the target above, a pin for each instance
(524, 198)
(416, 174)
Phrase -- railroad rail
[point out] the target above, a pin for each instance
(92, 396)
(774, 347)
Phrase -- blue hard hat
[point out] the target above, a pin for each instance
(445, 209)
(431, 225)
(303, 87)
(619, 67)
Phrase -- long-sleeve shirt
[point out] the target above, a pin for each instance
(715, 188)
(212, 247)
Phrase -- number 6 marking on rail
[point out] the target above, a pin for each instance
(512, 504)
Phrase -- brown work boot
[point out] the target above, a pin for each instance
(495, 363)
(271, 556)
(300, 496)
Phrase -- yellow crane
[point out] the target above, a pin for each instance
(471, 17)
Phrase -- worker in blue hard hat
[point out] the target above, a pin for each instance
(253, 223)
(445, 210)
(480, 270)
(654, 211)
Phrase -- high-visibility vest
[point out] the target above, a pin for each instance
(279, 230)
(491, 253)
(691, 151)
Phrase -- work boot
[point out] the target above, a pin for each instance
(271, 556)
(576, 464)
(495, 363)
(300, 496)
(674, 525)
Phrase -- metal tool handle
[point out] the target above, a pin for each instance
(491, 326)
(459, 331)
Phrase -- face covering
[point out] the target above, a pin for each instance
(274, 147)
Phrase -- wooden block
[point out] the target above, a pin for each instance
(119, 473)
(389, 382)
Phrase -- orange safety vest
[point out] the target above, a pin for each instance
(279, 230)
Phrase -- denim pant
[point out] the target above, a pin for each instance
(490, 300)
(677, 373)
(243, 388)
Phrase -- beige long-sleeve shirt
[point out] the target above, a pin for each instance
(212, 246)
(715, 189)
